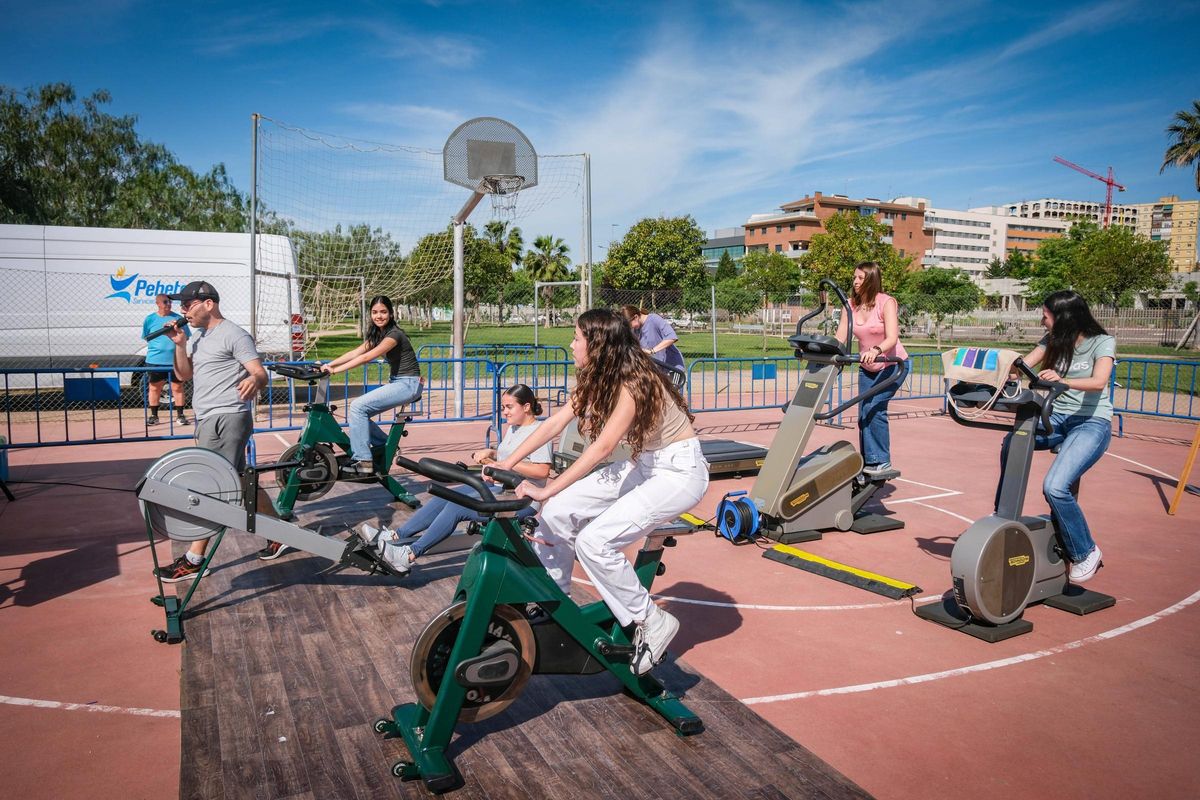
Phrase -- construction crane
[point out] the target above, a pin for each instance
(1109, 182)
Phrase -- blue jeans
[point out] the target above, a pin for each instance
(1081, 441)
(438, 518)
(874, 438)
(364, 432)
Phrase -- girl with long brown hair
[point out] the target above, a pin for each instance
(592, 516)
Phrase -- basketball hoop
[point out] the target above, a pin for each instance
(503, 191)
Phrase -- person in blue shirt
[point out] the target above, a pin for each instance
(655, 334)
(160, 357)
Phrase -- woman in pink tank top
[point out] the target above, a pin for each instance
(877, 329)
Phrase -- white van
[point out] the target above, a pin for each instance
(73, 297)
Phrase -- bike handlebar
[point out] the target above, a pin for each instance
(444, 472)
(300, 372)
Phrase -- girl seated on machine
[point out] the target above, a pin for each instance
(437, 518)
(381, 339)
(1079, 352)
(619, 394)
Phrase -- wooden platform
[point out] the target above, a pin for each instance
(286, 667)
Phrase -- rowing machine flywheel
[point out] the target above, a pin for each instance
(197, 471)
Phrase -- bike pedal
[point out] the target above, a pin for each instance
(607, 647)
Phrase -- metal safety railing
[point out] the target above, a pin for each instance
(49, 407)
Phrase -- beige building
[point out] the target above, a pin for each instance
(1175, 223)
(1056, 208)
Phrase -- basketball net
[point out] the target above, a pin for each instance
(503, 191)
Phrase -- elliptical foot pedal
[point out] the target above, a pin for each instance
(1080, 601)
(949, 615)
(875, 523)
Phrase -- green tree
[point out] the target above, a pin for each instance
(65, 161)
(547, 262)
(726, 268)
(507, 240)
(1185, 149)
(1105, 265)
(1113, 263)
(656, 253)
(771, 276)
(1191, 293)
(1018, 264)
(849, 240)
(735, 298)
(938, 292)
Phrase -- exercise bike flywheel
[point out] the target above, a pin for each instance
(493, 679)
(196, 470)
(318, 470)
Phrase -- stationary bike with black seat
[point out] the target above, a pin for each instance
(1006, 561)
(473, 659)
(797, 496)
(319, 463)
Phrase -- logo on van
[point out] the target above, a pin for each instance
(133, 289)
(120, 283)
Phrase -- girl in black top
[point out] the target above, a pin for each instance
(382, 339)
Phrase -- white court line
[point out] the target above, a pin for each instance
(1144, 466)
(139, 712)
(282, 440)
(929, 486)
(944, 511)
(988, 665)
(892, 502)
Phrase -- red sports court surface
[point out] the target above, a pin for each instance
(1096, 706)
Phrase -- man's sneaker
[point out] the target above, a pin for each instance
(152, 420)
(359, 469)
(651, 638)
(272, 551)
(179, 570)
(1084, 571)
(871, 470)
(400, 556)
(182, 420)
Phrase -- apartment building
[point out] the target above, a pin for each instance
(1174, 222)
(1055, 208)
(790, 230)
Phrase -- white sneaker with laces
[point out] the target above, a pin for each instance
(1084, 571)
(651, 639)
(399, 556)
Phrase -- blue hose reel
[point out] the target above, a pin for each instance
(737, 517)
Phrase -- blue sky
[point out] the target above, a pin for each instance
(715, 110)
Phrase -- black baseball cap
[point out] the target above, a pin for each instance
(197, 290)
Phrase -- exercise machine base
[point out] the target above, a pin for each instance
(863, 524)
(948, 614)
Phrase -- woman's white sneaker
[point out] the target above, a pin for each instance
(651, 639)
(399, 556)
(1084, 571)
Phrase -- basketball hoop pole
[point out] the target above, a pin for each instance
(490, 157)
(457, 337)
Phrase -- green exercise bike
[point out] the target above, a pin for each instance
(473, 659)
(318, 464)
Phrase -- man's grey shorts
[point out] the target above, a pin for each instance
(227, 434)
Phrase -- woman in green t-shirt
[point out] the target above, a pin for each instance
(1079, 352)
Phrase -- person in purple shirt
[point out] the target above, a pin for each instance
(656, 335)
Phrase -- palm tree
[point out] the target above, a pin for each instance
(1185, 151)
(508, 241)
(547, 261)
(505, 239)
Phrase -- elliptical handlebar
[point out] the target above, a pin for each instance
(1054, 389)
(443, 472)
(821, 307)
(882, 386)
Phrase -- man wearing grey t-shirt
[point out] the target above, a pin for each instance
(226, 373)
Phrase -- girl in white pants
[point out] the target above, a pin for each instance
(619, 394)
